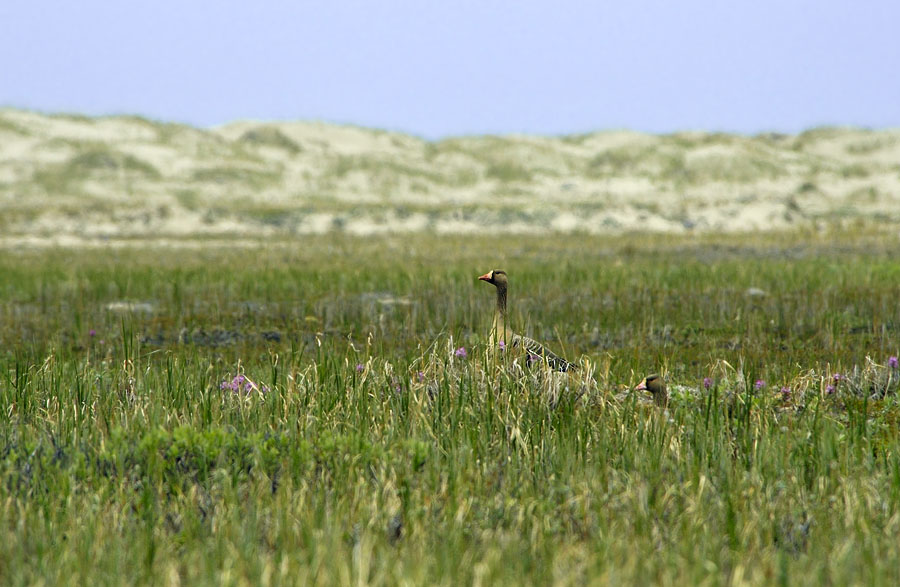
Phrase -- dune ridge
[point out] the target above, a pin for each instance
(69, 178)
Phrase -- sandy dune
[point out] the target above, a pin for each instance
(67, 179)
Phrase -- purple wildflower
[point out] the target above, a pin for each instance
(838, 377)
(359, 367)
(461, 352)
(829, 389)
(241, 384)
(893, 362)
(759, 384)
(707, 383)
(533, 358)
(420, 376)
(92, 333)
(786, 392)
(502, 345)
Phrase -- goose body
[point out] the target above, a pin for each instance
(502, 333)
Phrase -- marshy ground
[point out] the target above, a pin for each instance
(298, 412)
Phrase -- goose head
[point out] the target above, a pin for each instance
(657, 388)
(497, 278)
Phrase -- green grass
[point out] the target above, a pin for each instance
(366, 452)
(506, 171)
(268, 136)
(94, 160)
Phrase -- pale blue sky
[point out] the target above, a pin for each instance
(450, 68)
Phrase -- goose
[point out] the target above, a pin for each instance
(502, 334)
(657, 388)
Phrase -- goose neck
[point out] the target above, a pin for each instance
(501, 301)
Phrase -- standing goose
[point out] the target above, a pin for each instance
(501, 333)
(657, 388)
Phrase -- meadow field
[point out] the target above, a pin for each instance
(324, 410)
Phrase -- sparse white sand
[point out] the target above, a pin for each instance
(68, 180)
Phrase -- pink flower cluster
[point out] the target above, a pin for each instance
(241, 384)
